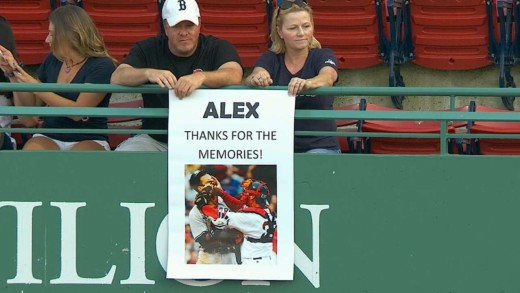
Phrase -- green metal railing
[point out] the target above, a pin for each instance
(444, 117)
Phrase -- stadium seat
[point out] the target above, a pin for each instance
(243, 23)
(350, 29)
(30, 24)
(450, 35)
(393, 145)
(122, 23)
(347, 143)
(493, 146)
(114, 139)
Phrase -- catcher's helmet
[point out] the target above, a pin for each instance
(260, 190)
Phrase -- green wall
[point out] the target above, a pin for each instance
(387, 224)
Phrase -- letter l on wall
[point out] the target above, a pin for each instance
(311, 269)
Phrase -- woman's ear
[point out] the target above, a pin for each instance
(279, 32)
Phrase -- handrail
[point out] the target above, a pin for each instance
(444, 117)
(302, 114)
(337, 91)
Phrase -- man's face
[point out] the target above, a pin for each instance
(207, 180)
(182, 38)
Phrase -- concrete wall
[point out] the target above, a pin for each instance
(417, 76)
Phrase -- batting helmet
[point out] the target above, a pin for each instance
(195, 178)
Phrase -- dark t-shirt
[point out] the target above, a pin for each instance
(317, 59)
(154, 53)
(96, 70)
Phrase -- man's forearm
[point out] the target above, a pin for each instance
(129, 76)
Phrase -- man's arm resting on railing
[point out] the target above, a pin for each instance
(131, 76)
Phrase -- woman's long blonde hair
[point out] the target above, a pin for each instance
(74, 26)
(278, 44)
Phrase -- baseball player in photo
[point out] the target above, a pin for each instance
(218, 246)
(255, 221)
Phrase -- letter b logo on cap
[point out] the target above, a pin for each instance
(182, 5)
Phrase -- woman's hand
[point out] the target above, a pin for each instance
(259, 79)
(21, 75)
(297, 85)
(7, 62)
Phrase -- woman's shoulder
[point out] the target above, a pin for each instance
(51, 59)
(322, 52)
(50, 63)
(102, 61)
(271, 55)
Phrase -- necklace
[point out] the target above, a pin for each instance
(68, 68)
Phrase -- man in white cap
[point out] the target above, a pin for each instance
(183, 60)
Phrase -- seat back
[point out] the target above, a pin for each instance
(114, 139)
(30, 24)
(350, 29)
(346, 144)
(393, 145)
(244, 23)
(122, 23)
(494, 146)
(450, 35)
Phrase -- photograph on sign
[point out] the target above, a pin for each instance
(231, 220)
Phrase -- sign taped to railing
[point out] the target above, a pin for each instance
(231, 185)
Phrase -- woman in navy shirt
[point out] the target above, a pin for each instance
(297, 60)
(79, 55)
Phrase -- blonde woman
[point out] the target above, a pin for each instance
(297, 60)
(78, 55)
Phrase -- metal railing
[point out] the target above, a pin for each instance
(444, 117)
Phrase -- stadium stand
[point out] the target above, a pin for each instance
(28, 19)
(349, 28)
(244, 23)
(450, 35)
(123, 22)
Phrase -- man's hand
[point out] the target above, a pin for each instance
(163, 78)
(188, 84)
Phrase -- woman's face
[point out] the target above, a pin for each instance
(48, 39)
(296, 30)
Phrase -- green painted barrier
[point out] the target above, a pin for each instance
(95, 222)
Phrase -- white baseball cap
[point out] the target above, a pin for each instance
(175, 11)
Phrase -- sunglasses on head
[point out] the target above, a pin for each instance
(284, 4)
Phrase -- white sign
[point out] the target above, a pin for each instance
(245, 229)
